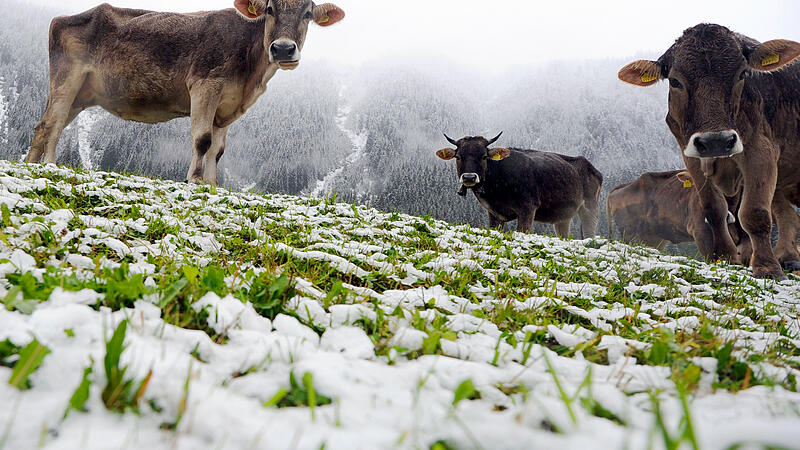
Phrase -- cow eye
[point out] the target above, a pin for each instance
(675, 83)
(308, 15)
(270, 11)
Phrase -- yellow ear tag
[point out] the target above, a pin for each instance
(325, 19)
(252, 10)
(646, 78)
(771, 59)
(687, 184)
(497, 157)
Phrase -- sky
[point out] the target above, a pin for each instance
(500, 34)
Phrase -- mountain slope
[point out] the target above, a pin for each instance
(276, 322)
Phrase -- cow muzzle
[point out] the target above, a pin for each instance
(470, 179)
(285, 53)
(719, 144)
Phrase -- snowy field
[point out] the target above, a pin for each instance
(254, 321)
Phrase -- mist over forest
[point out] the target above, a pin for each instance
(368, 133)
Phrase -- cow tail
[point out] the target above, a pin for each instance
(609, 218)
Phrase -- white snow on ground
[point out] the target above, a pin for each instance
(359, 143)
(385, 393)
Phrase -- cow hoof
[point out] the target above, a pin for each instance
(766, 274)
(792, 266)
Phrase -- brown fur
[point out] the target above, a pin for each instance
(153, 66)
(658, 208)
(718, 83)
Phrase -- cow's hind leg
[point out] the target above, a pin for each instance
(788, 228)
(205, 99)
(215, 152)
(589, 219)
(562, 228)
(60, 111)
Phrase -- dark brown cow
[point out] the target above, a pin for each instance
(727, 98)
(527, 185)
(153, 67)
(664, 207)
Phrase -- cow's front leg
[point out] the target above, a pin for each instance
(494, 222)
(219, 136)
(760, 176)
(205, 97)
(788, 228)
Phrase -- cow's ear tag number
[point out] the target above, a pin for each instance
(771, 59)
(647, 78)
(687, 184)
(252, 10)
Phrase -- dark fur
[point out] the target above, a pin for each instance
(532, 185)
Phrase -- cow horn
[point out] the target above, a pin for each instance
(452, 141)
(492, 141)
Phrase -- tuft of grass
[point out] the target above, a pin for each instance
(120, 393)
(30, 358)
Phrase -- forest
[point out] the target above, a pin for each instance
(370, 132)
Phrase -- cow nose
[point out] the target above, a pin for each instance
(283, 51)
(470, 179)
(716, 144)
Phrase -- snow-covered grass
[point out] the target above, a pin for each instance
(148, 314)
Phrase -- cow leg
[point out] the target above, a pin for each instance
(494, 222)
(715, 209)
(58, 114)
(589, 219)
(214, 154)
(205, 98)
(788, 227)
(525, 220)
(562, 228)
(760, 176)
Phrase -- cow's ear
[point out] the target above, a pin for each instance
(499, 153)
(685, 178)
(641, 73)
(327, 14)
(250, 9)
(773, 55)
(446, 154)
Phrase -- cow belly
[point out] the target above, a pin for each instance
(502, 214)
(142, 100)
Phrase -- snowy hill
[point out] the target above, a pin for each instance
(148, 314)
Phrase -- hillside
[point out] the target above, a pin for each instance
(142, 313)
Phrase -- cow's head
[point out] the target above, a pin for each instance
(472, 154)
(286, 23)
(707, 69)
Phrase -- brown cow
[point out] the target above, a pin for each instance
(153, 66)
(727, 99)
(664, 207)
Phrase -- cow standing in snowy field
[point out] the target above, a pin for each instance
(153, 67)
(663, 207)
(727, 99)
(527, 185)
